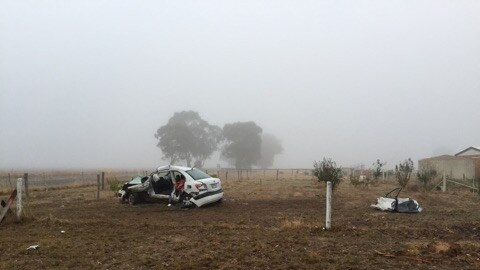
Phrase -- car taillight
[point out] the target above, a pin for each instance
(201, 186)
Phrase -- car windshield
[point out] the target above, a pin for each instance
(197, 174)
(136, 180)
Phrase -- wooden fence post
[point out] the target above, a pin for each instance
(328, 212)
(444, 184)
(45, 181)
(277, 174)
(25, 179)
(98, 186)
(103, 180)
(478, 185)
(19, 198)
(226, 175)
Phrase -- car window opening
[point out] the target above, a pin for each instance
(197, 174)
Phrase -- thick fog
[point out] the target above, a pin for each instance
(86, 84)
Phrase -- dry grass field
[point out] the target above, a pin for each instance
(263, 224)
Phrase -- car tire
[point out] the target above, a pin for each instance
(133, 198)
(184, 201)
(121, 200)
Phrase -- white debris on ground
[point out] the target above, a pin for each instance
(33, 247)
(384, 204)
(402, 205)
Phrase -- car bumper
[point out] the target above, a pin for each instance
(207, 197)
(121, 193)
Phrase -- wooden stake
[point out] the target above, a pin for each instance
(444, 184)
(328, 213)
(19, 198)
(45, 182)
(103, 180)
(98, 186)
(8, 204)
(9, 181)
(25, 179)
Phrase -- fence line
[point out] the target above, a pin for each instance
(45, 179)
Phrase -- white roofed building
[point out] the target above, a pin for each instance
(472, 152)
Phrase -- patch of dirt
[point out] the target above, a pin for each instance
(259, 226)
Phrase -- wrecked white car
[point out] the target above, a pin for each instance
(401, 205)
(183, 186)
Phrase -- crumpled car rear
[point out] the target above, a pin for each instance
(400, 205)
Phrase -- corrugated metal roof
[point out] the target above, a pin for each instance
(446, 157)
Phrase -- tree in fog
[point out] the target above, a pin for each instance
(188, 137)
(271, 146)
(243, 143)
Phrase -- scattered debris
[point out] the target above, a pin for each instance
(33, 247)
(401, 205)
(62, 231)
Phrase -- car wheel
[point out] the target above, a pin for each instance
(184, 201)
(121, 199)
(133, 198)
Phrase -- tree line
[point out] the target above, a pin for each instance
(186, 137)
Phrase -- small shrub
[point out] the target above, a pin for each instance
(355, 180)
(327, 170)
(377, 169)
(426, 176)
(403, 171)
(363, 181)
(114, 183)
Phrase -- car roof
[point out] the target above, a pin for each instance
(173, 167)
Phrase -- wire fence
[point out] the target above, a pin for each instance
(48, 179)
(58, 178)
(109, 179)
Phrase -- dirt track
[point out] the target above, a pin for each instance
(274, 225)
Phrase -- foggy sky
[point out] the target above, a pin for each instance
(86, 84)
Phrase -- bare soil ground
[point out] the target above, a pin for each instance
(262, 224)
